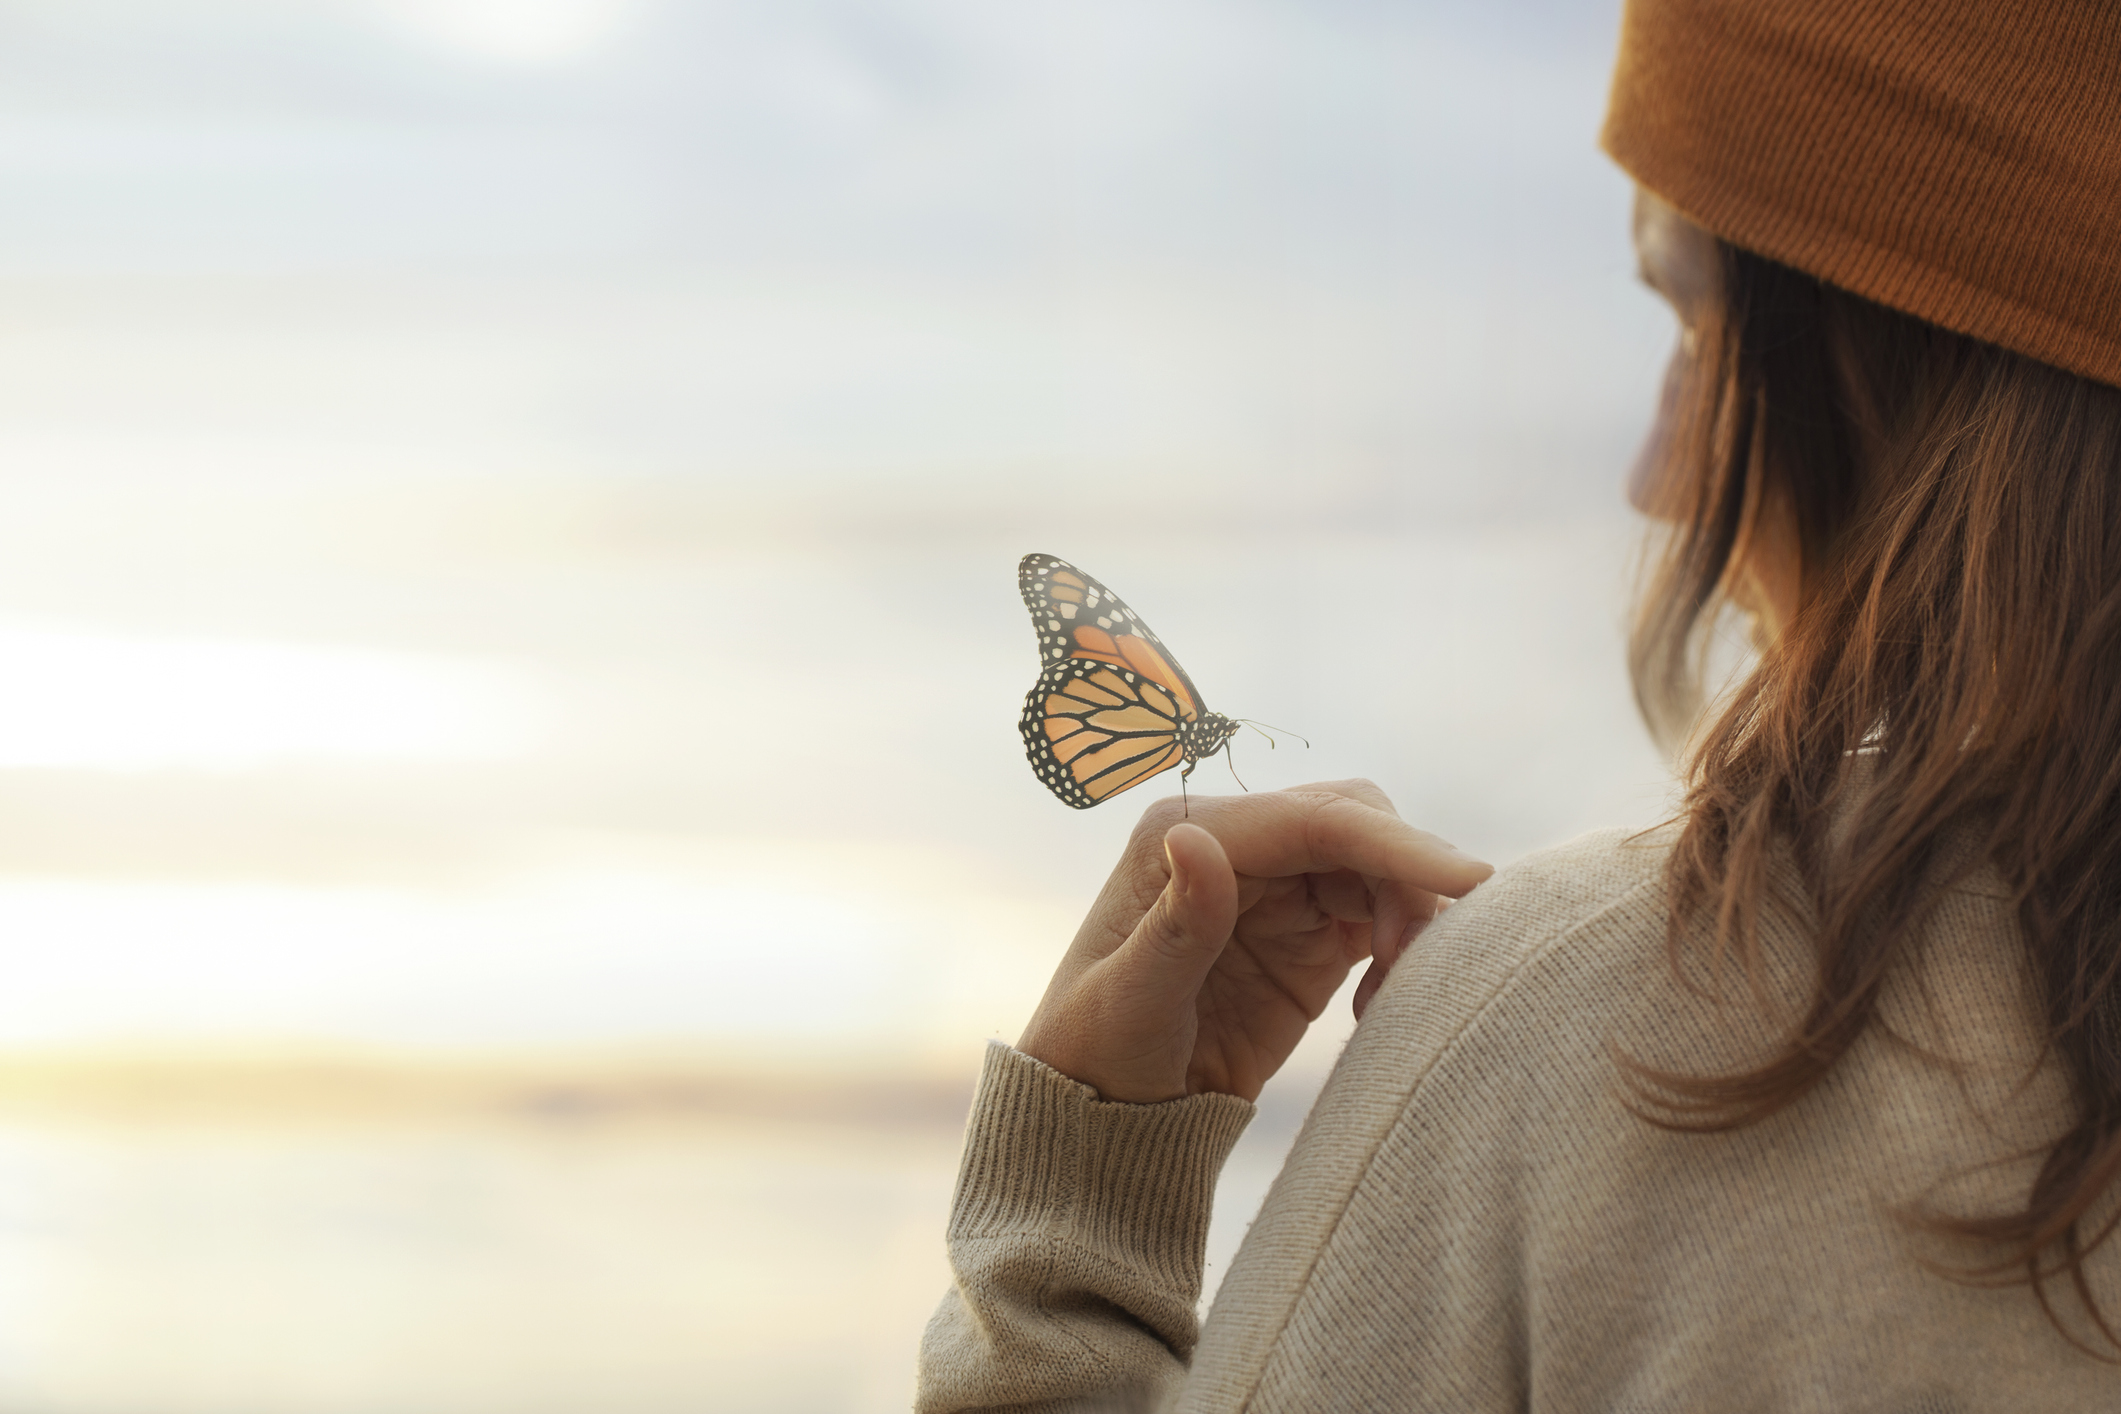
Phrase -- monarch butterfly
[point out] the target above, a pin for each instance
(1112, 707)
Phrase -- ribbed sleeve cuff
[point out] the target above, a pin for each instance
(1132, 1183)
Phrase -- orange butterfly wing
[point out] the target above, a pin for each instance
(1077, 617)
(1110, 707)
(1093, 730)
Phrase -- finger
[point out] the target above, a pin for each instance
(1372, 981)
(1393, 913)
(1179, 938)
(1159, 816)
(1355, 788)
(1294, 832)
(1401, 915)
(1409, 912)
(1342, 894)
(1283, 906)
(1353, 835)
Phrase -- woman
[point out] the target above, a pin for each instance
(1810, 1100)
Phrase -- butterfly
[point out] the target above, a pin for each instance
(1111, 707)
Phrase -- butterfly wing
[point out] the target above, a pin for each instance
(1106, 711)
(1092, 730)
(1078, 618)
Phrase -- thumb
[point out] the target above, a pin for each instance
(1183, 933)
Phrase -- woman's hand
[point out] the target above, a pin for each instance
(1220, 938)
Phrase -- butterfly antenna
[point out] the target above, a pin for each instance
(1260, 727)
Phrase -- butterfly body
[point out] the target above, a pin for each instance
(1111, 706)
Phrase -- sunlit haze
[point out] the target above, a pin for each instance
(99, 701)
(508, 524)
(584, 432)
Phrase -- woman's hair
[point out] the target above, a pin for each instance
(1953, 666)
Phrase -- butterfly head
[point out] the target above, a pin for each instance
(1205, 736)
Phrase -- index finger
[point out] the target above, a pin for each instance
(1277, 833)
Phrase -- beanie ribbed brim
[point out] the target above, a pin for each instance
(1959, 160)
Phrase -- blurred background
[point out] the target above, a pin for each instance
(512, 828)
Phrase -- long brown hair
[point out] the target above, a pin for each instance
(1957, 647)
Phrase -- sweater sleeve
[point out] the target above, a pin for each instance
(1076, 1238)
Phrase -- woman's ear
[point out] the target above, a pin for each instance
(1683, 263)
(1677, 258)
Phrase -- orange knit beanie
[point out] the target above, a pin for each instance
(1959, 160)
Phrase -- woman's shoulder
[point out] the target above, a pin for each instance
(1596, 903)
(1557, 890)
(1568, 954)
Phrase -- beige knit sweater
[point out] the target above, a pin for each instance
(1471, 1221)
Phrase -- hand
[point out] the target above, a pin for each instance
(1220, 938)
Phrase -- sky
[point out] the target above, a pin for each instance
(508, 511)
(508, 523)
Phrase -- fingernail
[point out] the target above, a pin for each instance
(1469, 858)
(1179, 880)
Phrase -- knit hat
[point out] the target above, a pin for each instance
(1959, 160)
